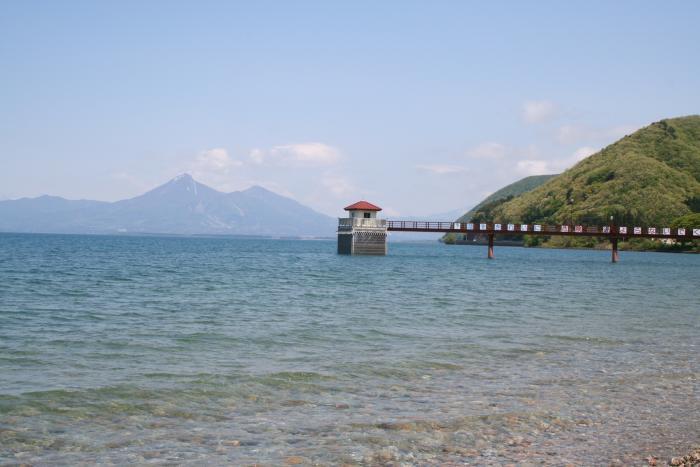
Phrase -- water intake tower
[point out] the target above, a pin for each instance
(361, 233)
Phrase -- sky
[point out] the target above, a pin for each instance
(419, 107)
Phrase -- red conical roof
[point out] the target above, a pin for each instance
(362, 206)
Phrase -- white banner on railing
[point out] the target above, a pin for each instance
(523, 227)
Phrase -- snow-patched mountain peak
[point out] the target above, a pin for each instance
(182, 177)
(185, 181)
(182, 188)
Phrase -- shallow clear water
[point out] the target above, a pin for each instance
(192, 350)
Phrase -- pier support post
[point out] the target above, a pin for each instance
(615, 254)
(491, 256)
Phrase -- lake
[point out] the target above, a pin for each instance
(237, 351)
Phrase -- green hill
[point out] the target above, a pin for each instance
(510, 191)
(648, 178)
(484, 208)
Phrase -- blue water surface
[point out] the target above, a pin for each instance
(219, 350)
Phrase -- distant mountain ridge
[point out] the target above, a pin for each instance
(180, 206)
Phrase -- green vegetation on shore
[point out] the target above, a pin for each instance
(649, 178)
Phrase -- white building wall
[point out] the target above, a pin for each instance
(361, 214)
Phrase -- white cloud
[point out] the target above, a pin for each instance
(214, 160)
(489, 150)
(441, 169)
(570, 134)
(534, 167)
(257, 155)
(538, 111)
(303, 154)
(582, 153)
(542, 166)
(311, 154)
(213, 167)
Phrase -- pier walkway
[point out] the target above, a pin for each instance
(613, 232)
(362, 233)
(372, 229)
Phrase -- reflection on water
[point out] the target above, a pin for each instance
(136, 350)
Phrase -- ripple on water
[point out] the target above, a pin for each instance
(222, 351)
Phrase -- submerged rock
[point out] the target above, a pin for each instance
(689, 460)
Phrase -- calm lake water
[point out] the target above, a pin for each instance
(228, 351)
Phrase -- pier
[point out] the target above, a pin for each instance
(363, 234)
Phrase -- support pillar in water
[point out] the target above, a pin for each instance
(491, 256)
(615, 254)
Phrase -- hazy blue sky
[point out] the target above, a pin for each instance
(419, 107)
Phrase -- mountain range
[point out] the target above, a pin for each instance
(180, 206)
